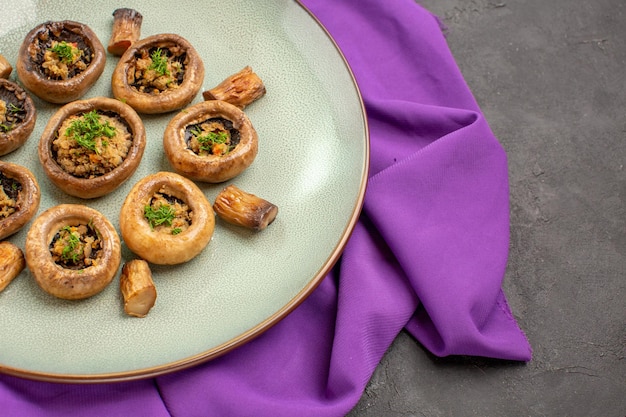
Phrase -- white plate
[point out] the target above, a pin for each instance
(312, 163)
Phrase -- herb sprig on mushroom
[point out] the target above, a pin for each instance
(88, 129)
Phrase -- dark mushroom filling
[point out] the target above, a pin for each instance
(60, 54)
(157, 69)
(12, 109)
(167, 214)
(9, 194)
(76, 247)
(215, 136)
(88, 145)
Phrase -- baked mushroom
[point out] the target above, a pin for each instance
(19, 198)
(158, 74)
(59, 61)
(90, 147)
(238, 207)
(17, 116)
(11, 263)
(73, 251)
(166, 219)
(137, 288)
(212, 141)
(5, 67)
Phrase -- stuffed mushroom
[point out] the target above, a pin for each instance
(19, 198)
(17, 116)
(212, 141)
(59, 61)
(73, 251)
(90, 147)
(158, 74)
(166, 219)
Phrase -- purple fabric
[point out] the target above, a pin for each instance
(428, 254)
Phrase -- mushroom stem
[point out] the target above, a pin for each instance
(126, 30)
(12, 262)
(239, 89)
(137, 288)
(240, 208)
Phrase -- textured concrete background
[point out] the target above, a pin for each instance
(550, 77)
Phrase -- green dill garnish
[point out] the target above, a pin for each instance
(86, 129)
(212, 138)
(65, 51)
(14, 109)
(159, 62)
(72, 248)
(176, 231)
(164, 214)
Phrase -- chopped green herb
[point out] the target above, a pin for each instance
(176, 231)
(87, 129)
(65, 51)
(212, 138)
(5, 128)
(164, 214)
(159, 62)
(72, 249)
(14, 109)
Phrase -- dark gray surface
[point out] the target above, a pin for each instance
(550, 77)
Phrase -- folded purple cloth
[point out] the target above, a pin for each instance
(428, 254)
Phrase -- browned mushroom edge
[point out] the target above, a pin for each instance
(5, 67)
(84, 267)
(206, 166)
(19, 198)
(17, 116)
(50, 76)
(158, 74)
(166, 247)
(94, 185)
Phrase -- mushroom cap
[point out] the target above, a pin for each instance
(14, 138)
(59, 91)
(66, 283)
(210, 168)
(27, 202)
(170, 99)
(160, 248)
(103, 184)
